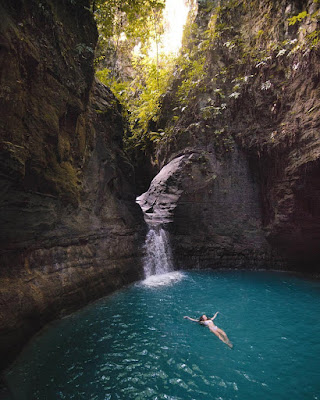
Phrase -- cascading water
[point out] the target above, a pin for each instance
(158, 255)
(158, 205)
(157, 262)
(158, 258)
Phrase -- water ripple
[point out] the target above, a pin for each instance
(136, 344)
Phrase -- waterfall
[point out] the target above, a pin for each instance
(158, 258)
(158, 205)
(157, 262)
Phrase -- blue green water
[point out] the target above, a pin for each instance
(135, 344)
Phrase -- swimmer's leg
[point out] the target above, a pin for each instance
(223, 336)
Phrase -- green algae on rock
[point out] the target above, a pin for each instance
(70, 229)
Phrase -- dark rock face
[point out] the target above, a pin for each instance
(287, 155)
(212, 210)
(161, 199)
(70, 229)
(280, 133)
(218, 220)
(256, 111)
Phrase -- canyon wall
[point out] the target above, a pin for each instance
(239, 136)
(247, 103)
(70, 228)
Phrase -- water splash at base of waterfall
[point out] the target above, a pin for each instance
(170, 278)
(158, 257)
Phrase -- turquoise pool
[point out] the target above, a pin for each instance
(135, 344)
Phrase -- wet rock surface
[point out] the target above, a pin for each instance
(70, 229)
(212, 210)
(239, 186)
(161, 199)
(257, 109)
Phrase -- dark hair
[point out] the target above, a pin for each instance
(201, 318)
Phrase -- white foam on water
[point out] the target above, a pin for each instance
(169, 278)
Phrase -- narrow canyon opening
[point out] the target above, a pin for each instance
(158, 143)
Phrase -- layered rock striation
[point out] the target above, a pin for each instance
(238, 157)
(69, 226)
(248, 101)
(212, 210)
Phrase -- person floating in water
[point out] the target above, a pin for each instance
(204, 320)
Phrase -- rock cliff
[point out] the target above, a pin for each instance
(247, 103)
(240, 150)
(70, 228)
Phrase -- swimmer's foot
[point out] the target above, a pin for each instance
(230, 345)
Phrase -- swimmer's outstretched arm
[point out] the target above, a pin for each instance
(191, 319)
(214, 316)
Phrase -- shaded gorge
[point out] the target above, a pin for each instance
(232, 127)
(135, 344)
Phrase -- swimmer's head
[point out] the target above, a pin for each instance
(203, 318)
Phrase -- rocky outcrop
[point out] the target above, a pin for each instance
(211, 208)
(218, 220)
(276, 122)
(240, 151)
(161, 199)
(70, 228)
(250, 100)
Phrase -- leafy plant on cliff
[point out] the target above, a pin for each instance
(191, 63)
(123, 25)
(313, 38)
(136, 76)
(297, 18)
(141, 96)
(211, 74)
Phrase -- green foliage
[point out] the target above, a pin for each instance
(124, 24)
(191, 62)
(298, 18)
(192, 74)
(151, 83)
(126, 31)
(130, 17)
(82, 49)
(141, 96)
(313, 38)
(210, 111)
(259, 33)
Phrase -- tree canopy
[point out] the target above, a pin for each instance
(127, 32)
